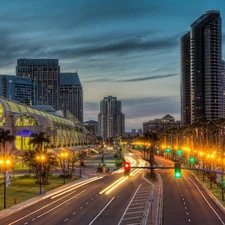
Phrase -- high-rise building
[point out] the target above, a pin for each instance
(23, 90)
(7, 86)
(185, 79)
(71, 94)
(205, 68)
(223, 75)
(45, 76)
(111, 120)
(16, 88)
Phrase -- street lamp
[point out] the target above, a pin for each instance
(4, 163)
(64, 156)
(41, 159)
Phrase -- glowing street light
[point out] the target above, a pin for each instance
(64, 156)
(41, 159)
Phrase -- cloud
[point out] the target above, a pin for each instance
(132, 79)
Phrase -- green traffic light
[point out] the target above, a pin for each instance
(168, 150)
(177, 175)
(179, 152)
(192, 160)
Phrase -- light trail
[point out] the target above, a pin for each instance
(114, 183)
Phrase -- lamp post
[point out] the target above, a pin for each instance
(4, 164)
(41, 159)
(63, 156)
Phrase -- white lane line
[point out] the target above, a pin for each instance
(60, 204)
(33, 219)
(189, 220)
(206, 200)
(101, 211)
(87, 203)
(74, 213)
(185, 207)
(134, 212)
(81, 207)
(92, 198)
(26, 223)
(183, 199)
(41, 208)
(130, 218)
(66, 219)
(184, 202)
(187, 213)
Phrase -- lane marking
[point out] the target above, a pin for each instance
(206, 200)
(74, 213)
(101, 211)
(60, 204)
(189, 220)
(66, 219)
(40, 209)
(87, 203)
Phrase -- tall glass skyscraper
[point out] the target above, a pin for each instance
(45, 76)
(205, 68)
(111, 120)
(71, 94)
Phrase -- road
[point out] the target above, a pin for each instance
(83, 204)
(186, 202)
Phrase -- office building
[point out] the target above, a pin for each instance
(16, 88)
(71, 94)
(205, 69)
(111, 120)
(223, 75)
(160, 125)
(185, 79)
(45, 76)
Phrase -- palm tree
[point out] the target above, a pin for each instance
(4, 138)
(153, 138)
(39, 140)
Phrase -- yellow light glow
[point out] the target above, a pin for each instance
(116, 185)
(111, 185)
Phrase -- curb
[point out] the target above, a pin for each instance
(210, 194)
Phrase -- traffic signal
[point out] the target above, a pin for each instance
(126, 167)
(168, 150)
(192, 159)
(179, 152)
(177, 170)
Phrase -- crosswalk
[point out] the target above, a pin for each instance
(136, 210)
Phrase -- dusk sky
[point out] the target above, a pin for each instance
(126, 49)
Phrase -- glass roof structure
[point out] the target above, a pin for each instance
(19, 108)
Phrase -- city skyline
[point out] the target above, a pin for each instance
(130, 52)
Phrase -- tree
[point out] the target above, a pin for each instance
(4, 138)
(39, 140)
(153, 138)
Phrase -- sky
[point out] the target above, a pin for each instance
(124, 48)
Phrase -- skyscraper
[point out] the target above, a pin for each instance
(185, 79)
(223, 75)
(205, 68)
(45, 75)
(111, 120)
(71, 94)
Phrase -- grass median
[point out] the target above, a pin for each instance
(216, 190)
(24, 187)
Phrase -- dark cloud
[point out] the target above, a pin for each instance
(132, 79)
(149, 78)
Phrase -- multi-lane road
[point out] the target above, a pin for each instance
(115, 199)
(186, 201)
